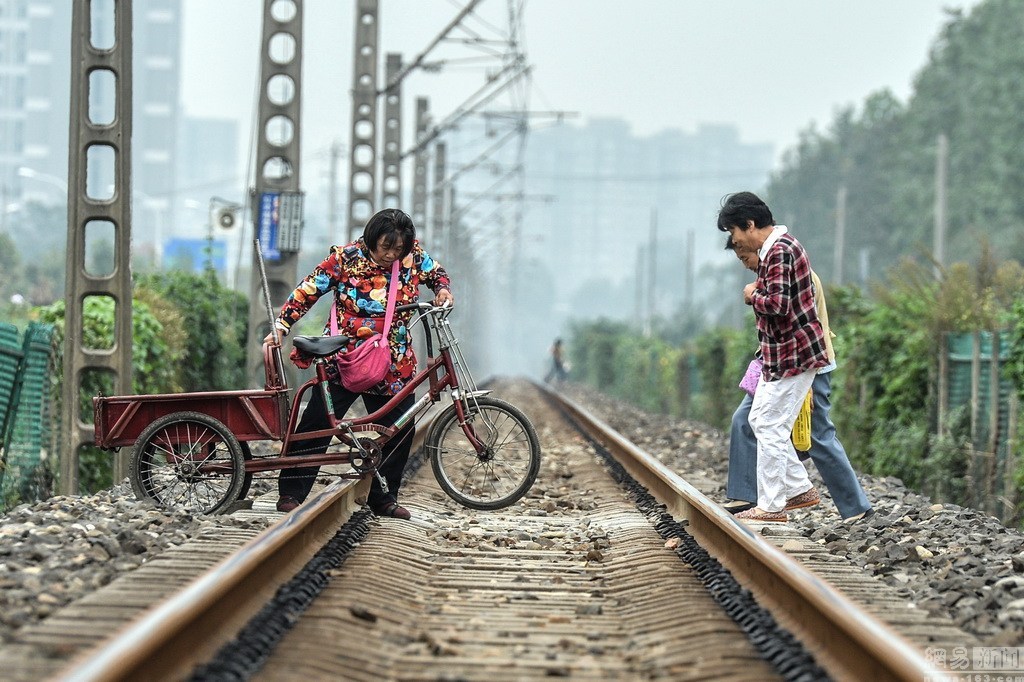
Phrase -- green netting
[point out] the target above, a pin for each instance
(961, 353)
(27, 435)
(10, 358)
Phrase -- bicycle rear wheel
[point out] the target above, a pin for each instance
(496, 477)
(172, 460)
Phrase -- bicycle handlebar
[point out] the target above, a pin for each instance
(425, 307)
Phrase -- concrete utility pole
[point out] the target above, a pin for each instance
(651, 283)
(840, 242)
(419, 178)
(277, 201)
(391, 187)
(363, 147)
(438, 233)
(941, 182)
(89, 141)
(332, 195)
(690, 274)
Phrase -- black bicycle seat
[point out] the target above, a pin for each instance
(320, 346)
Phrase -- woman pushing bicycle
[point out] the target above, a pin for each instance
(364, 293)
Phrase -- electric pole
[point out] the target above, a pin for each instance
(840, 241)
(941, 172)
(86, 210)
(363, 146)
(277, 200)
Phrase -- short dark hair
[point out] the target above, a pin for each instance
(390, 225)
(740, 207)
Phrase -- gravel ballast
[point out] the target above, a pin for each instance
(946, 559)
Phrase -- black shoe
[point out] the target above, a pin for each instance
(286, 503)
(394, 510)
(737, 506)
(863, 516)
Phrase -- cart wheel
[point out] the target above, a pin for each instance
(498, 476)
(247, 477)
(188, 461)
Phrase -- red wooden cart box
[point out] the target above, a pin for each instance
(250, 415)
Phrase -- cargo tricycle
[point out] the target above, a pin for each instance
(191, 450)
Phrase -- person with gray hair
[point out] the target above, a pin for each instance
(827, 451)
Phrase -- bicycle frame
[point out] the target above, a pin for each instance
(449, 359)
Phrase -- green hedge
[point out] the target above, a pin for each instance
(188, 334)
(698, 380)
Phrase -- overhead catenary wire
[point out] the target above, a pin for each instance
(516, 70)
(418, 60)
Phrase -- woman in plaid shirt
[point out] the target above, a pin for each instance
(792, 347)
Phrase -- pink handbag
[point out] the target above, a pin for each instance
(366, 365)
(753, 375)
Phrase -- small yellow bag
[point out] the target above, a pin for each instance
(802, 426)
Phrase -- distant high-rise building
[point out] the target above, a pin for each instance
(208, 164)
(156, 62)
(609, 186)
(35, 64)
(209, 177)
(585, 246)
(28, 33)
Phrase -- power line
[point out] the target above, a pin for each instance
(661, 177)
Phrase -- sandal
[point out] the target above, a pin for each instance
(758, 515)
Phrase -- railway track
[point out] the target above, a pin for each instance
(585, 578)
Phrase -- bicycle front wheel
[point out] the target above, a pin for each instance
(502, 471)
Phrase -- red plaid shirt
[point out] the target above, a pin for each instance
(791, 338)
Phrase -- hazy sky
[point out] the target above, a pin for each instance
(771, 67)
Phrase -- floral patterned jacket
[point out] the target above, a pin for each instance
(361, 293)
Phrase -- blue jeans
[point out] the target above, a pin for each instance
(827, 452)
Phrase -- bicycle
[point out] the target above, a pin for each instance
(483, 451)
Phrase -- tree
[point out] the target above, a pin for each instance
(971, 90)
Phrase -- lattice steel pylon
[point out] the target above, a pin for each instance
(96, 148)
(277, 200)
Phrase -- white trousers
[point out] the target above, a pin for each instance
(780, 474)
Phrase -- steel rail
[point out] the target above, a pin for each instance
(188, 628)
(848, 642)
(169, 640)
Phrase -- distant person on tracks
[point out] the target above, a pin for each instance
(358, 276)
(792, 345)
(827, 452)
(557, 373)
